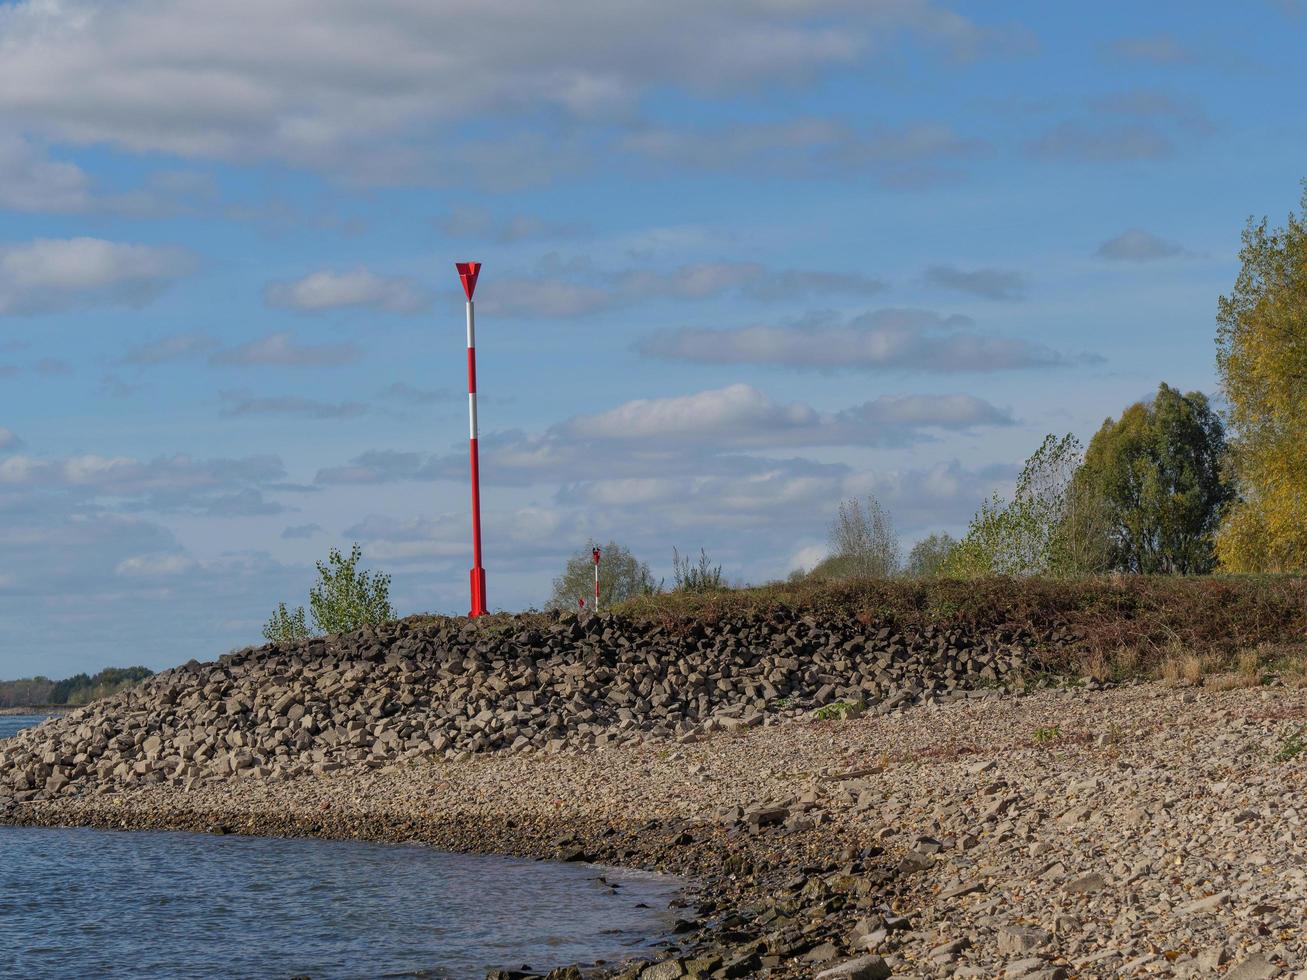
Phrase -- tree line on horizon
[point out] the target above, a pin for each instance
(76, 690)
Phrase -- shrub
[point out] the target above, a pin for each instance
(343, 600)
(702, 576)
(285, 626)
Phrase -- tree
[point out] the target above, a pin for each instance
(344, 599)
(621, 576)
(1262, 361)
(1027, 535)
(1156, 473)
(863, 543)
(928, 555)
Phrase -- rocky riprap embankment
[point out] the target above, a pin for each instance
(446, 689)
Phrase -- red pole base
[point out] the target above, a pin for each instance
(478, 578)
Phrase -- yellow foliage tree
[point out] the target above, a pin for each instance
(1262, 359)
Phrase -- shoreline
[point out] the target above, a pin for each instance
(722, 871)
(853, 800)
(962, 840)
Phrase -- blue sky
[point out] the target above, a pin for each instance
(741, 262)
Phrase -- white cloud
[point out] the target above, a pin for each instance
(166, 565)
(31, 181)
(358, 288)
(878, 340)
(282, 350)
(8, 441)
(569, 288)
(166, 483)
(1137, 245)
(48, 275)
(809, 556)
(349, 87)
(702, 434)
(741, 416)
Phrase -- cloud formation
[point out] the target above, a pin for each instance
(50, 275)
(906, 156)
(242, 404)
(698, 434)
(1155, 49)
(174, 347)
(999, 284)
(198, 79)
(569, 288)
(281, 349)
(301, 531)
(357, 288)
(1137, 245)
(479, 224)
(887, 339)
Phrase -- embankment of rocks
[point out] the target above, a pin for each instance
(449, 688)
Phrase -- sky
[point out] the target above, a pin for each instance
(742, 261)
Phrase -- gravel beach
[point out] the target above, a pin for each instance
(1136, 831)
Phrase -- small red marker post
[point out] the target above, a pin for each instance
(467, 274)
(595, 555)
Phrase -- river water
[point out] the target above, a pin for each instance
(91, 903)
(12, 724)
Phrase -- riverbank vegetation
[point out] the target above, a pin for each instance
(76, 690)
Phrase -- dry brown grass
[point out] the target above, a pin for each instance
(1185, 669)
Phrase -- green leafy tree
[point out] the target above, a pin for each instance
(343, 600)
(697, 576)
(285, 626)
(1156, 475)
(621, 576)
(929, 554)
(863, 543)
(1262, 361)
(1027, 535)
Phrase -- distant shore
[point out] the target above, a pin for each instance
(39, 709)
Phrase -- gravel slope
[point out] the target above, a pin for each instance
(1137, 831)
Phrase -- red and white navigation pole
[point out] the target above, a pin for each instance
(468, 272)
(595, 555)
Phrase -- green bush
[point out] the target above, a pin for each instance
(343, 600)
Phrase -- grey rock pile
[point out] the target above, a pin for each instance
(447, 689)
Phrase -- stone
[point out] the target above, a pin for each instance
(1209, 904)
(1086, 884)
(1021, 939)
(1210, 959)
(1255, 967)
(862, 968)
(821, 953)
(666, 970)
(913, 862)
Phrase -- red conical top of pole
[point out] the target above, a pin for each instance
(468, 272)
